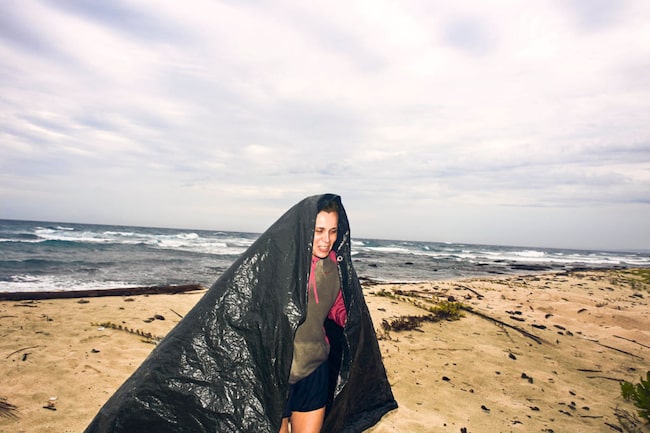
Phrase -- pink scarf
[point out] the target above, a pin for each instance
(312, 273)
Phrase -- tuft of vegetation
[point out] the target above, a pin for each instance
(641, 274)
(639, 394)
(638, 279)
(147, 337)
(448, 310)
(405, 323)
(438, 311)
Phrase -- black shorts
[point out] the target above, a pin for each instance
(309, 393)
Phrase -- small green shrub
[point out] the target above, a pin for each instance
(638, 279)
(640, 394)
(643, 274)
(448, 310)
(406, 323)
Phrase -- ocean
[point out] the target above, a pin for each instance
(48, 256)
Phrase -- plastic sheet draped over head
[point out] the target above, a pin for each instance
(225, 366)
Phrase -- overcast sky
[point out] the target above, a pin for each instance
(498, 122)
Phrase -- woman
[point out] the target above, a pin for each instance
(226, 366)
(309, 374)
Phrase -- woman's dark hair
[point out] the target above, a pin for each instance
(329, 207)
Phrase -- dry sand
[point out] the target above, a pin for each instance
(58, 365)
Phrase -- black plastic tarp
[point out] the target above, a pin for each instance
(225, 366)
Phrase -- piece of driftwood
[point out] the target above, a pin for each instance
(621, 351)
(614, 379)
(478, 295)
(633, 341)
(21, 350)
(126, 291)
(533, 337)
(614, 427)
(178, 314)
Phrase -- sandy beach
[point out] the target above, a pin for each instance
(542, 353)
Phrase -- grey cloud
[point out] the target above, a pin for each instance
(227, 119)
(49, 124)
(20, 134)
(17, 30)
(122, 15)
(39, 168)
(634, 77)
(334, 38)
(468, 34)
(595, 14)
(95, 120)
(586, 176)
(321, 127)
(116, 118)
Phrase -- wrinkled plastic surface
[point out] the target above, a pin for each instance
(225, 366)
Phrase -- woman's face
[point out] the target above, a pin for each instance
(325, 233)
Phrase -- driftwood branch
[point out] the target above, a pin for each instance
(615, 379)
(178, 314)
(619, 350)
(478, 295)
(20, 350)
(614, 427)
(525, 333)
(128, 291)
(633, 341)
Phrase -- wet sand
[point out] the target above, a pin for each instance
(583, 333)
